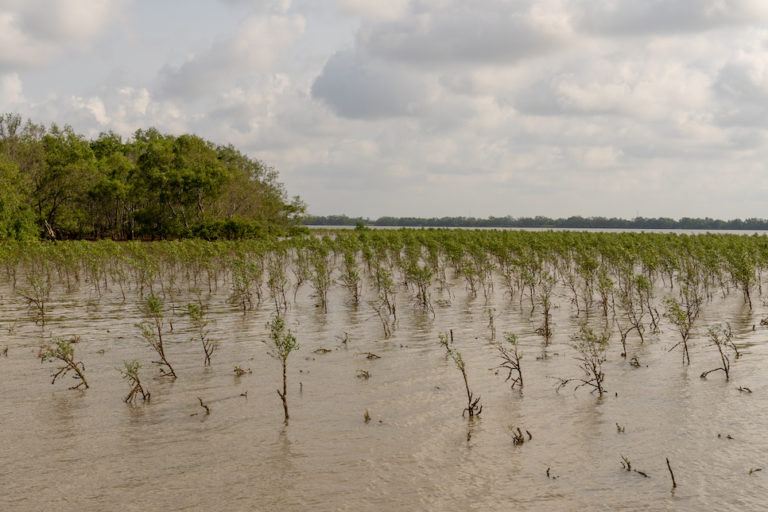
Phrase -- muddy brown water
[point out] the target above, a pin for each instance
(73, 450)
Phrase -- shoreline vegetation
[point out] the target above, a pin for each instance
(574, 222)
(57, 184)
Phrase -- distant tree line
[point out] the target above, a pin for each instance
(574, 222)
(55, 183)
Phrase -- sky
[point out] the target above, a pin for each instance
(425, 107)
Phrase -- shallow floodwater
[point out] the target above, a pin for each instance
(75, 450)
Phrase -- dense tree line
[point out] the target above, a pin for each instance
(56, 183)
(574, 222)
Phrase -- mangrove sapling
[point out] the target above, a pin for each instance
(300, 269)
(474, 408)
(197, 317)
(385, 287)
(630, 300)
(722, 338)
(320, 275)
(421, 276)
(383, 314)
(152, 329)
(510, 357)
(63, 351)
(491, 325)
(591, 348)
(282, 343)
(130, 372)
(246, 278)
(37, 296)
(682, 316)
(277, 280)
(545, 289)
(350, 276)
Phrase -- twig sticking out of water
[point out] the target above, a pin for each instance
(744, 389)
(517, 436)
(627, 465)
(669, 467)
(204, 406)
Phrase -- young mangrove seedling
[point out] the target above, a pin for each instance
(152, 331)
(722, 338)
(130, 372)
(239, 372)
(282, 343)
(37, 296)
(473, 408)
(591, 348)
(510, 359)
(491, 324)
(64, 351)
(197, 317)
(683, 315)
(367, 416)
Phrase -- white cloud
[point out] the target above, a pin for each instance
(253, 47)
(484, 31)
(11, 90)
(632, 17)
(34, 31)
(366, 9)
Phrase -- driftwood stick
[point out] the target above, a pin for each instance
(674, 484)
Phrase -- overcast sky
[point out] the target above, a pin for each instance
(426, 107)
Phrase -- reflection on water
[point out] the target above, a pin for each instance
(90, 451)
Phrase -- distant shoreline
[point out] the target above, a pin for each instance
(570, 223)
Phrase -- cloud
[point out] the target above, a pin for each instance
(632, 17)
(34, 31)
(742, 90)
(360, 88)
(388, 10)
(253, 47)
(459, 32)
(10, 92)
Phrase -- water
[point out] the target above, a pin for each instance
(76, 450)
